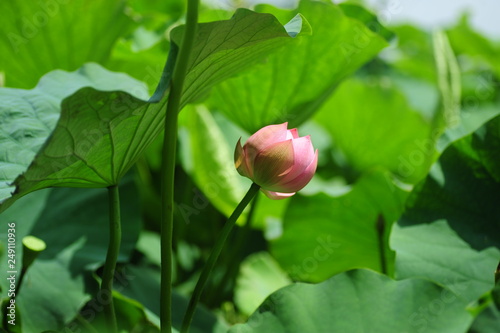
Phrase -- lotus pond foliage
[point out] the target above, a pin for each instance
(142, 144)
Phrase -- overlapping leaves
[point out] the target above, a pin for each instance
(314, 254)
(450, 231)
(293, 84)
(100, 134)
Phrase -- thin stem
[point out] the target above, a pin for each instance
(115, 234)
(214, 255)
(20, 281)
(236, 255)
(168, 164)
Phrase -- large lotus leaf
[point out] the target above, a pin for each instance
(293, 84)
(450, 232)
(360, 301)
(143, 64)
(27, 118)
(38, 37)
(100, 134)
(324, 235)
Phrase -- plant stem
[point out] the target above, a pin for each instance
(168, 164)
(115, 235)
(236, 255)
(214, 255)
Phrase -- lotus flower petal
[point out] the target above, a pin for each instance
(263, 138)
(292, 134)
(303, 154)
(277, 195)
(240, 161)
(273, 163)
(277, 159)
(304, 178)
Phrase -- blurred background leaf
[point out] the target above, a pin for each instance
(49, 35)
(465, 40)
(260, 275)
(374, 126)
(449, 232)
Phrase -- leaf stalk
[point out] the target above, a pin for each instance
(168, 164)
(115, 235)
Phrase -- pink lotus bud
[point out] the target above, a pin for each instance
(277, 159)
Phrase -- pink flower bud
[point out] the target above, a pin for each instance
(277, 159)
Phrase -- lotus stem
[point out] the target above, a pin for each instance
(214, 255)
(168, 164)
(115, 235)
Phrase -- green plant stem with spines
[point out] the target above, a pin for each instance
(168, 164)
(115, 234)
(214, 255)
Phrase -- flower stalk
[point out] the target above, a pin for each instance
(236, 255)
(214, 255)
